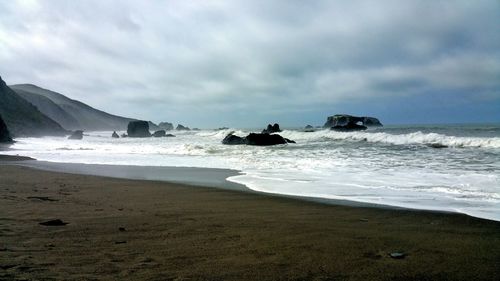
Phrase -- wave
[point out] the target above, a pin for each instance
(414, 138)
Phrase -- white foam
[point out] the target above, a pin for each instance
(351, 166)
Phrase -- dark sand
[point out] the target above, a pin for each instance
(143, 230)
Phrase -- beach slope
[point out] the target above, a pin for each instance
(121, 229)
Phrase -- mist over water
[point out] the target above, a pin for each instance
(397, 166)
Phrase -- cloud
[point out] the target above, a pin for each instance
(247, 62)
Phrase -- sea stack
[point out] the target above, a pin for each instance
(182, 128)
(138, 129)
(115, 135)
(76, 135)
(345, 122)
(272, 129)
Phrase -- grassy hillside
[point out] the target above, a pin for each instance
(23, 118)
(83, 116)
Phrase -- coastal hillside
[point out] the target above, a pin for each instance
(22, 118)
(71, 114)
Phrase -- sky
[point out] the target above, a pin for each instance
(248, 63)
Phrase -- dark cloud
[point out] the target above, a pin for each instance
(225, 62)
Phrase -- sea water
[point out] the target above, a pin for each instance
(393, 165)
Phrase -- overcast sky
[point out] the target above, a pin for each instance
(249, 63)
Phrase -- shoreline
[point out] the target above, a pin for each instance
(194, 176)
(152, 230)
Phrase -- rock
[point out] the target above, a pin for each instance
(196, 129)
(348, 128)
(159, 134)
(115, 135)
(56, 222)
(166, 126)
(272, 129)
(397, 255)
(124, 135)
(153, 126)
(231, 139)
(264, 139)
(256, 139)
(4, 132)
(182, 128)
(344, 122)
(76, 135)
(371, 122)
(223, 128)
(436, 145)
(169, 136)
(308, 127)
(138, 129)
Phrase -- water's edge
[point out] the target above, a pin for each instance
(193, 176)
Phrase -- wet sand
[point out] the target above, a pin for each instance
(121, 229)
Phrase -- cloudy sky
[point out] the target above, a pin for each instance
(248, 63)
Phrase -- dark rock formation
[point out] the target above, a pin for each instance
(138, 129)
(309, 129)
(233, 140)
(124, 135)
(344, 122)
(115, 135)
(195, 129)
(159, 134)
(56, 222)
(169, 135)
(272, 129)
(371, 122)
(153, 126)
(166, 126)
(4, 132)
(223, 128)
(76, 135)
(264, 139)
(22, 118)
(182, 128)
(436, 145)
(256, 139)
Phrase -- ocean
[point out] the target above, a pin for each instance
(440, 167)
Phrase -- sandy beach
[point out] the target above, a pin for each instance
(119, 229)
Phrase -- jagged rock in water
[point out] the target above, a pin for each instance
(4, 132)
(166, 126)
(115, 135)
(182, 128)
(345, 123)
(265, 139)
(138, 129)
(272, 129)
(76, 135)
(371, 122)
(309, 129)
(159, 134)
(436, 145)
(169, 135)
(223, 128)
(153, 126)
(349, 127)
(124, 135)
(256, 139)
(233, 140)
